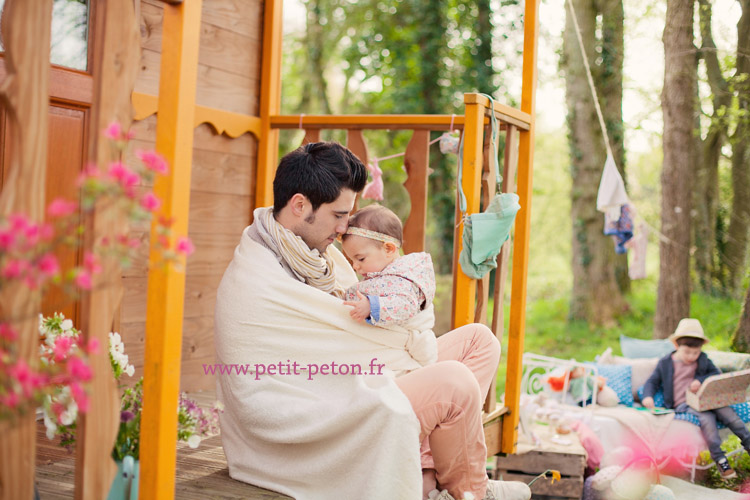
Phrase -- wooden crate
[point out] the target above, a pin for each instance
(570, 460)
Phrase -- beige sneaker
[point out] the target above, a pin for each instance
(507, 490)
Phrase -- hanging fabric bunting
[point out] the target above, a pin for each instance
(620, 227)
(611, 195)
(638, 245)
(374, 189)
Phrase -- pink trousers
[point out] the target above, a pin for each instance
(447, 398)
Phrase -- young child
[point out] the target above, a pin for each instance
(685, 369)
(394, 288)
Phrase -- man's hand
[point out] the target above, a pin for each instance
(648, 403)
(360, 308)
(695, 385)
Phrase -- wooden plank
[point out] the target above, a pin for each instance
(199, 295)
(369, 122)
(535, 462)
(517, 324)
(241, 16)
(270, 103)
(492, 436)
(66, 86)
(487, 190)
(205, 138)
(503, 259)
(355, 142)
(115, 66)
(520, 118)
(219, 48)
(166, 285)
(416, 164)
(569, 487)
(464, 288)
(216, 88)
(311, 135)
(25, 95)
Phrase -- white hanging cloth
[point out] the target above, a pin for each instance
(612, 193)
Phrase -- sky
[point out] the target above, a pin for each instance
(643, 66)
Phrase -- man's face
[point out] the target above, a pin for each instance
(320, 228)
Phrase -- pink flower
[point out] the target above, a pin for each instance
(23, 375)
(122, 174)
(184, 246)
(11, 400)
(7, 239)
(83, 279)
(46, 232)
(48, 265)
(80, 397)
(62, 347)
(79, 370)
(91, 263)
(18, 222)
(153, 161)
(90, 172)
(150, 202)
(61, 208)
(113, 131)
(93, 346)
(14, 268)
(7, 332)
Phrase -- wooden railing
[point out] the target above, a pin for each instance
(416, 157)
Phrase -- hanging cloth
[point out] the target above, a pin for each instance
(611, 196)
(620, 227)
(374, 189)
(638, 245)
(485, 232)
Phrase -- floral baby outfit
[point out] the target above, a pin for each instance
(398, 292)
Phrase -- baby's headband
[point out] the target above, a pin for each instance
(373, 235)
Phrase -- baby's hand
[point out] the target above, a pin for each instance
(360, 308)
(695, 385)
(648, 402)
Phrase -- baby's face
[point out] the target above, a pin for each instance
(368, 256)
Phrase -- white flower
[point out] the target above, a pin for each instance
(66, 418)
(219, 405)
(194, 441)
(130, 370)
(66, 325)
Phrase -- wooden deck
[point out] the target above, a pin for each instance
(201, 473)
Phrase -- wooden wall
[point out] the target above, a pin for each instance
(223, 173)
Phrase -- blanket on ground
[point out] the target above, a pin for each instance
(649, 429)
(297, 420)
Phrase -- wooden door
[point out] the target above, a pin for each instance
(71, 91)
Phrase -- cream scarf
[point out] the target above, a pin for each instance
(307, 264)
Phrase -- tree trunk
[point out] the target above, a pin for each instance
(673, 299)
(741, 337)
(609, 75)
(316, 46)
(593, 253)
(706, 183)
(739, 217)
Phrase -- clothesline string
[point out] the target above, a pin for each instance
(376, 160)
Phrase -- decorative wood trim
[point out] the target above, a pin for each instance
(115, 62)
(416, 164)
(166, 283)
(520, 119)
(517, 325)
(311, 135)
(223, 122)
(25, 94)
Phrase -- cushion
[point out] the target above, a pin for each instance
(619, 379)
(658, 397)
(729, 361)
(641, 368)
(639, 348)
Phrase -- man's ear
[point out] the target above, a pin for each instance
(297, 204)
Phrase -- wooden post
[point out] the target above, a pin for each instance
(416, 163)
(270, 103)
(115, 66)
(25, 95)
(517, 325)
(464, 288)
(166, 283)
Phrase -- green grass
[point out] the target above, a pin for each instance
(548, 331)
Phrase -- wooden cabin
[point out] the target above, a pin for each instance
(201, 83)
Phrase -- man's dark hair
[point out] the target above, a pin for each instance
(690, 342)
(318, 170)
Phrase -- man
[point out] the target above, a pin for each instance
(302, 416)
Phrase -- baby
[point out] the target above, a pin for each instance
(395, 288)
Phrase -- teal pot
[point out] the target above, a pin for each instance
(125, 484)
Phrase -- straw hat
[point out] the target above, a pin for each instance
(689, 327)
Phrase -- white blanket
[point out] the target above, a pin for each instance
(314, 434)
